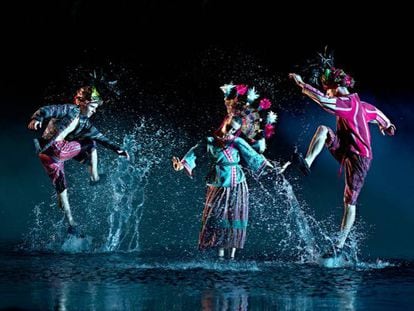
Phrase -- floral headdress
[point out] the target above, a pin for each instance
(251, 108)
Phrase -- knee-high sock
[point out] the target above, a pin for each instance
(316, 145)
(348, 220)
(64, 202)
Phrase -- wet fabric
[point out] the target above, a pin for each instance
(355, 166)
(225, 217)
(54, 157)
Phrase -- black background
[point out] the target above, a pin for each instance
(40, 38)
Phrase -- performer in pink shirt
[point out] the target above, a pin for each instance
(350, 144)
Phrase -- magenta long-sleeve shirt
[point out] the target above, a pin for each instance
(352, 118)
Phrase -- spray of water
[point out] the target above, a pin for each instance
(128, 186)
(291, 226)
(113, 212)
(110, 212)
(289, 229)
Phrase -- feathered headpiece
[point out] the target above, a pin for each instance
(334, 77)
(96, 97)
(323, 72)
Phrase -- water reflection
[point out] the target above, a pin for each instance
(125, 282)
(235, 299)
(220, 295)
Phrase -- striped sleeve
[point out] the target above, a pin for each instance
(327, 103)
(93, 133)
(54, 111)
(374, 115)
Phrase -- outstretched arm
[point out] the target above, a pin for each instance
(374, 115)
(52, 111)
(188, 162)
(34, 125)
(93, 133)
(254, 161)
(177, 165)
(123, 153)
(327, 103)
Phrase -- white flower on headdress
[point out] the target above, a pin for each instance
(252, 95)
(271, 117)
(226, 88)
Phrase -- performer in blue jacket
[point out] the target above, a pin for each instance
(226, 210)
(70, 135)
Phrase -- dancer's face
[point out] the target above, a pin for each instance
(79, 98)
(230, 127)
(90, 109)
(230, 104)
(331, 92)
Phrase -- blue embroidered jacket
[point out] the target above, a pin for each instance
(61, 116)
(228, 171)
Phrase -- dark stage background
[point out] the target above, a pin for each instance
(170, 58)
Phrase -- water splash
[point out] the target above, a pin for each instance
(34, 237)
(126, 194)
(74, 244)
(110, 212)
(290, 228)
(128, 185)
(113, 211)
(297, 216)
(46, 228)
(303, 236)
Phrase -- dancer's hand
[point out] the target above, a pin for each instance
(123, 153)
(390, 131)
(297, 78)
(284, 167)
(269, 164)
(177, 165)
(34, 125)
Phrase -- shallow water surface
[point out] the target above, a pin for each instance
(128, 281)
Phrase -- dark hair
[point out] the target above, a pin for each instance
(84, 94)
(334, 77)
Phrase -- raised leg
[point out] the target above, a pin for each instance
(316, 145)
